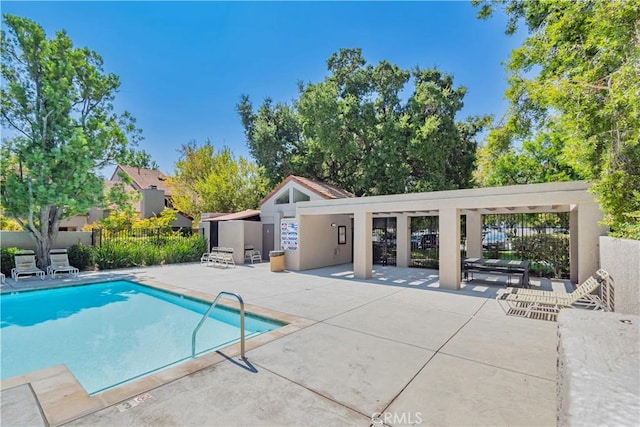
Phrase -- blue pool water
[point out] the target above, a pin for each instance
(110, 333)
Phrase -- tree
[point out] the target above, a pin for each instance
(575, 81)
(354, 130)
(206, 180)
(60, 129)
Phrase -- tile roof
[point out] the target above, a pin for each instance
(144, 178)
(322, 189)
(236, 215)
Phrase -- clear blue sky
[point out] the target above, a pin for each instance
(184, 65)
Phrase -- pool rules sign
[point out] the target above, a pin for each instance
(289, 234)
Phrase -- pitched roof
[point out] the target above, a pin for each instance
(236, 215)
(322, 189)
(144, 178)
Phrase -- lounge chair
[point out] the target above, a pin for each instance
(252, 255)
(547, 304)
(207, 257)
(25, 264)
(60, 263)
(2, 277)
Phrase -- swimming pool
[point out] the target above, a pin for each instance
(110, 333)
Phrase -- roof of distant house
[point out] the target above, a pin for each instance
(322, 189)
(236, 215)
(144, 178)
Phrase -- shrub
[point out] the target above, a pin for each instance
(548, 253)
(167, 249)
(81, 256)
(7, 262)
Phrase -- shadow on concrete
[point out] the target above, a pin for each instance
(483, 286)
(246, 365)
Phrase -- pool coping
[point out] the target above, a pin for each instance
(62, 399)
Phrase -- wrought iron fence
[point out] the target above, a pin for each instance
(541, 238)
(151, 235)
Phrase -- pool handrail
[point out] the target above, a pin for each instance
(211, 307)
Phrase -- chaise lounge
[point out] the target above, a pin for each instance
(25, 265)
(546, 305)
(60, 263)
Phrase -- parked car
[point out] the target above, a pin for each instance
(496, 240)
(429, 241)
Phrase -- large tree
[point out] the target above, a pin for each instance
(356, 129)
(59, 129)
(210, 180)
(574, 86)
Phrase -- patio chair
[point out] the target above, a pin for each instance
(60, 263)
(207, 257)
(225, 257)
(2, 278)
(252, 255)
(547, 304)
(25, 264)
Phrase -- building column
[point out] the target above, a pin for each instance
(589, 232)
(474, 234)
(403, 240)
(362, 245)
(573, 244)
(277, 230)
(449, 238)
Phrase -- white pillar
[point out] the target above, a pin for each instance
(362, 245)
(573, 244)
(474, 234)
(589, 232)
(403, 241)
(277, 229)
(449, 226)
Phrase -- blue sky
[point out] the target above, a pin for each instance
(184, 65)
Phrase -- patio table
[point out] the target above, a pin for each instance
(504, 267)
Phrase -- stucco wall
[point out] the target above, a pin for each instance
(22, 240)
(253, 237)
(598, 380)
(231, 235)
(319, 241)
(621, 258)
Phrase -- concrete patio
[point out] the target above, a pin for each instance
(394, 349)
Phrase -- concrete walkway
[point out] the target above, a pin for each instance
(395, 349)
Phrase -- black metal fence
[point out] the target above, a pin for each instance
(541, 238)
(153, 235)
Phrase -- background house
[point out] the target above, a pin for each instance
(155, 197)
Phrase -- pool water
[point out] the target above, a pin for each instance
(110, 333)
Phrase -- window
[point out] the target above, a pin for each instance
(299, 196)
(283, 199)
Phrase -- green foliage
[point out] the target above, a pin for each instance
(57, 103)
(207, 180)
(7, 260)
(9, 224)
(353, 130)
(168, 248)
(582, 101)
(81, 256)
(550, 253)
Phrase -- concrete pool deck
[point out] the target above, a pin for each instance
(395, 347)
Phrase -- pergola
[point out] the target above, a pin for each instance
(572, 197)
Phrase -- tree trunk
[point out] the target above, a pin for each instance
(47, 234)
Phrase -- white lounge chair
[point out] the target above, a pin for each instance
(25, 265)
(547, 304)
(60, 263)
(252, 255)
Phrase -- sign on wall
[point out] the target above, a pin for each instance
(289, 234)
